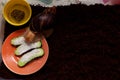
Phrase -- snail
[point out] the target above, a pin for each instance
(40, 23)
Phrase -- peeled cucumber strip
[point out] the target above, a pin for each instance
(26, 47)
(18, 40)
(26, 58)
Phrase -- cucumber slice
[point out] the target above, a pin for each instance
(18, 41)
(26, 58)
(26, 47)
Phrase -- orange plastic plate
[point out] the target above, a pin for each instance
(10, 59)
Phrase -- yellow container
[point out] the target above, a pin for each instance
(17, 12)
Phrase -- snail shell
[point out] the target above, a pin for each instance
(43, 20)
(39, 23)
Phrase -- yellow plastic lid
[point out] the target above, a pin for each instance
(17, 12)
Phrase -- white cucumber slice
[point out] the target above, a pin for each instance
(18, 40)
(26, 47)
(26, 58)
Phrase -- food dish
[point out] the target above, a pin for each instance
(18, 12)
(10, 59)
